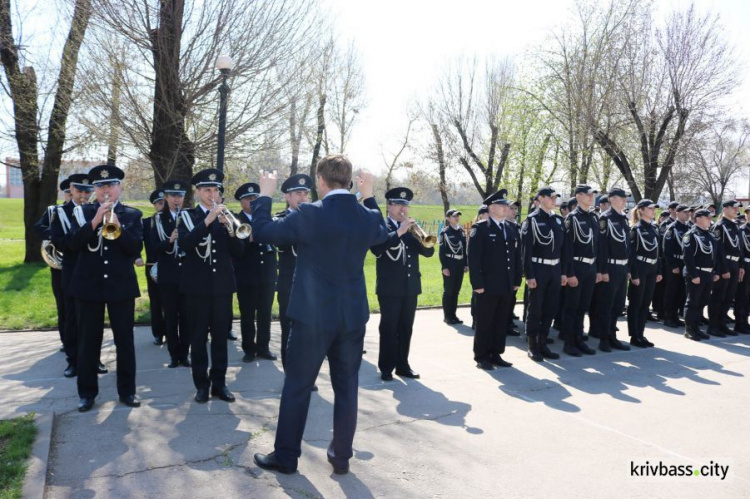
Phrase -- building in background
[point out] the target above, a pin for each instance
(11, 178)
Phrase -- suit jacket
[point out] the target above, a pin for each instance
(257, 265)
(397, 268)
(287, 255)
(104, 270)
(494, 258)
(332, 237)
(166, 254)
(207, 269)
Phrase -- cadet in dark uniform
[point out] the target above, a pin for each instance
(582, 244)
(255, 273)
(42, 230)
(495, 273)
(452, 240)
(512, 219)
(565, 208)
(542, 239)
(207, 281)
(296, 190)
(674, 290)
(645, 270)
(169, 258)
(602, 205)
(80, 190)
(666, 218)
(158, 325)
(398, 285)
(727, 234)
(614, 255)
(742, 298)
(701, 256)
(104, 276)
(482, 214)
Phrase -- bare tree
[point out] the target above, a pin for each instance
(392, 162)
(39, 180)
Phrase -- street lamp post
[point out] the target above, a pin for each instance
(224, 64)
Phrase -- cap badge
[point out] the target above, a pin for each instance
(177, 186)
(85, 181)
(104, 174)
(302, 181)
(212, 177)
(403, 194)
(250, 189)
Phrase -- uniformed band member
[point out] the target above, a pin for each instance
(104, 276)
(542, 245)
(614, 255)
(296, 190)
(158, 325)
(581, 269)
(645, 270)
(674, 289)
(255, 273)
(482, 214)
(80, 190)
(730, 268)
(398, 285)
(207, 281)
(42, 230)
(701, 256)
(512, 219)
(169, 256)
(452, 242)
(495, 274)
(666, 218)
(742, 298)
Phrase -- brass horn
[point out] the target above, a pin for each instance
(110, 230)
(425, 239)
(234, 227)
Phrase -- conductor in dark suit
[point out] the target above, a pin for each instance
(328, 305)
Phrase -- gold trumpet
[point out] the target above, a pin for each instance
(234, 227)
(110, 230)
(425, 239)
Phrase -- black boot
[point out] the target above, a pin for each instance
(534, 353)
(544, 349)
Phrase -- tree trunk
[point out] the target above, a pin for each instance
(442, 185)
(114, 131)
(293, 136)
(316, 147)
(172, 153)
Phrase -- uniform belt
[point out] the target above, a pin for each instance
(705, 269)
(544, 261)
(679, 257)
(587, 261)
(733, 258)
(456, 257)
(650, 261)
(617, 262)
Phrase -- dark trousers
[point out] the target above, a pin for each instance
(674, 294)
(451, 289)
(175, 318)
(90, 315)
(543, 300)
(560, 307)
(722, 295)
(57, 291)
(698, 296)
(307, 348)
(742, 304)
(71, 331)
(158, 324)
(594, 309)
(209, 314)
(256, 302)
(578, 301)
(612, 299)
(639, 299)
(286, 323)
(657, 301)
(396, 323)
(492, 325)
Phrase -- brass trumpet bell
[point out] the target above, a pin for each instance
(425, 239)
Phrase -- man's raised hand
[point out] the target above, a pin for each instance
(267, 183)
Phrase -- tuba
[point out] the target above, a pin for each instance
(51, 255)
(425, 239)
(110, 230)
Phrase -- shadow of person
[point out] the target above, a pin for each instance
(518, 384)
(739, 345)
(352, 486)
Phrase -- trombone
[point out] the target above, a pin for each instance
(234, 227)
(110, 230)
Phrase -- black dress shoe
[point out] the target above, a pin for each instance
(571, 349)
(70, 372)
(201, 396)
(130, 401)
(267, 356)
(713, 331)
(337, 469)
(638, 342)
(584, 348)
(158, 341)
(173, 363)
(450, 322)
(547, 353)
(231, 336)
(269, 462)
(651, 318)
(314, 388)
(486, 365)
(457, 320)
(618, 345)
(386, 376)
(499, 362)
(646, 342)
(550, 341)
(223, 393)
(186, 362)
(101, 369)
(728, 331)
(513, 331)
(673, 323)
(604, 345)
(692, 336)
(407, 373)
(62, 348)
(85, 404)
(248, 357)
(535, 356)
(703, 335)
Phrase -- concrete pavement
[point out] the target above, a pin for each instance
(568, 428)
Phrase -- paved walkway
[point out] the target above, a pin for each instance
(568, 428)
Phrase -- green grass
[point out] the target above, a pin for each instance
(26, 300)
(16, 438)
